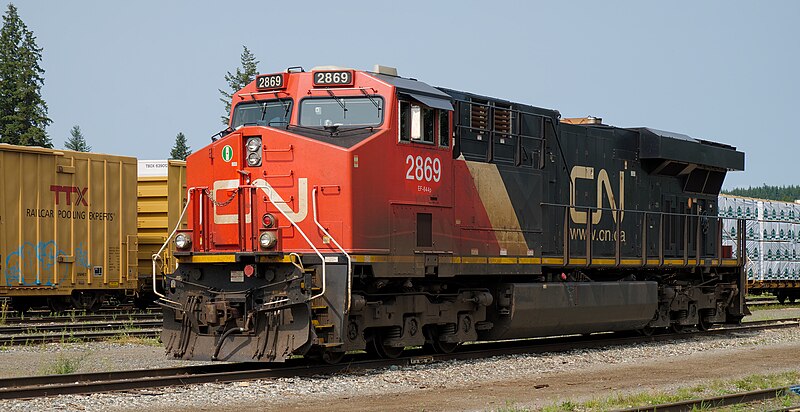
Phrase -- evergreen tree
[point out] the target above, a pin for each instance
(783, 193)
(244, 75)
(77, 142)
(23, 112)
(180, 151)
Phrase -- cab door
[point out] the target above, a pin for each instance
(422, 214)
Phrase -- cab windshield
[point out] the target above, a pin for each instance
(344, 111)
(274, 113)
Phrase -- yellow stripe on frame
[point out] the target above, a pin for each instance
(503, 260)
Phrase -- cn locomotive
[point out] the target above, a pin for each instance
(350, 210)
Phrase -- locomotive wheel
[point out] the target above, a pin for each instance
(331, 357)
(327, 356)
(677, 328)
(377, 347)
(646, 331)
(435, 345)
(703, 324)
(781, 297)
(443, 347)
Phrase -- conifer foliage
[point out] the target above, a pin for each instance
(23, 112)
(77, 142)
(180, 150)
(243, 75)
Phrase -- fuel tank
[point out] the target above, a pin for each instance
(543, 309)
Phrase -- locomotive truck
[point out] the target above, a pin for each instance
(352, 210)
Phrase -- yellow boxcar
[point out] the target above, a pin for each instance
(67, 227)
(161, 197)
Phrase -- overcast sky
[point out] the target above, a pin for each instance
(134, 74)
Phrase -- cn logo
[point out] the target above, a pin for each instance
(603, 185)
(223, 186)
(80, 197)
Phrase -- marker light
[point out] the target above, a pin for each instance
(268, 219)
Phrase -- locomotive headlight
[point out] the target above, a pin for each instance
(254, 159)
(253, 144)
(268, 240)
(182, 241)
(254, 151)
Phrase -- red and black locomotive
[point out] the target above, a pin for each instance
(352, 210)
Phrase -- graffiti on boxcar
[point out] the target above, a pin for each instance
(23, 264)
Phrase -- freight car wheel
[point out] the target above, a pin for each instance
(59, 304)
(89, 301)
(21, 305)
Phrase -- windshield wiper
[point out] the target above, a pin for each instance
(374, 102)
(338, 100)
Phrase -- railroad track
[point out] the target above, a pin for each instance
(722, 400)
(73, 318)
(49, 331)
(87, 383)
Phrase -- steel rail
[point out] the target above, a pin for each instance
(80, 327)
(32, 338)
(81, 318)
(717, 401)
(52, 385)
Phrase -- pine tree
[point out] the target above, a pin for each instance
(244, 75)
(23, 112)
(77, 141)
(180, 151)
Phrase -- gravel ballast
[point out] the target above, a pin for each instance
(374, 387)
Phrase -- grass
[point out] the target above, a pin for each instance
(63, 365)
(756, 308)
(713, 388)
(4, 312)
(125, 339)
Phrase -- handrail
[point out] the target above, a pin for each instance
(683, 242)
(157, 255)
(349, 260)
(266, 189)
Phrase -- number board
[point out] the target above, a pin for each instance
(334, 78)
(270, 81)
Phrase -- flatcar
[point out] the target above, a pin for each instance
(353, 210)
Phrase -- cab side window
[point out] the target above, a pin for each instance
(422, 124)
(405, 121)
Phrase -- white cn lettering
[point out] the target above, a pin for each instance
(225, 185)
